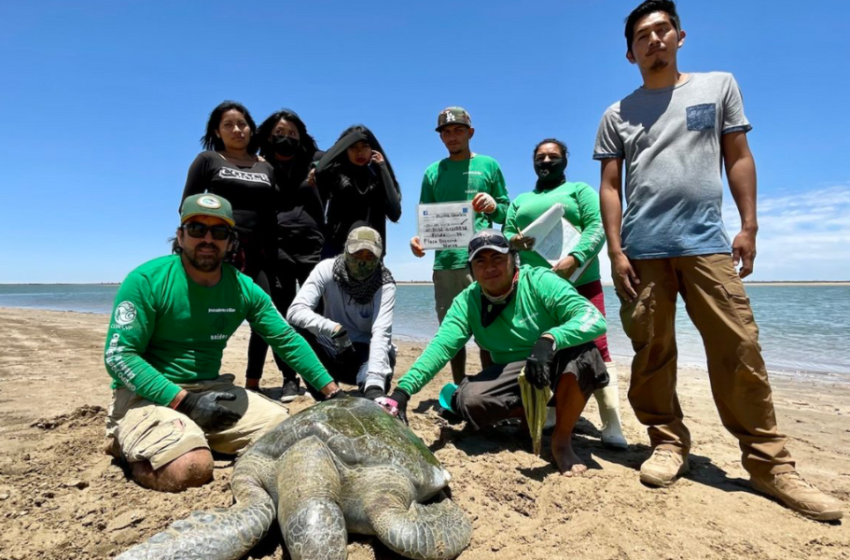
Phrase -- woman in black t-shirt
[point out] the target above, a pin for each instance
(287, 146)
(357, 184)
(231, 168)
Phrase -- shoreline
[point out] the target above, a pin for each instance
(822, 376)
(54, 474)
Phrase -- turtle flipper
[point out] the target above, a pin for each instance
(311, 521)
(223, 534)
(435, 531)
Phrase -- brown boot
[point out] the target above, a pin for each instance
(792, 490)
(663, 467)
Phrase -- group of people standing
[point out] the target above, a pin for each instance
(289, 215)
(293, 204)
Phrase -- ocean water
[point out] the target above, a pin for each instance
(804, 329)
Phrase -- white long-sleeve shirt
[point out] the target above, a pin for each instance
(369, 323)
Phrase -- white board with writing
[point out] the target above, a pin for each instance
(447, 225)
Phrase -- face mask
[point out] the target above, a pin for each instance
(285, 146)
(360, 269)
(552, 171)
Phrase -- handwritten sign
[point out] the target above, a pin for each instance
(447, 225)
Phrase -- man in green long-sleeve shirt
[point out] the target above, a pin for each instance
(171, 322)
(526, 317)
(462, 176)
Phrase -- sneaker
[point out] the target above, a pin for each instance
(291, 390)
(663, 467)
(792, 490)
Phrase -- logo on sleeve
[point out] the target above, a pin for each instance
(125, 313)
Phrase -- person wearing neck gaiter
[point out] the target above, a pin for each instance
(352, 332)
(528, 319)
(581, 209)
(286, 145)
(357, 184)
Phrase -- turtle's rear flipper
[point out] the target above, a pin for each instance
(310, 518)
(223, 534)
(436, 531)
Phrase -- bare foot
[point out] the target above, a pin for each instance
(568, 462)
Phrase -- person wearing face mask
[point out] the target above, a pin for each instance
(288, 147)
(353, 334)
(581, 209)
(231, 168)
(357, 184)
(528, 319)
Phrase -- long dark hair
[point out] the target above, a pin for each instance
(307, 146)
(210, 141)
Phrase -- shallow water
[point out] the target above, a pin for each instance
(804, 329)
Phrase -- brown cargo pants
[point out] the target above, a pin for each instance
(720, 309)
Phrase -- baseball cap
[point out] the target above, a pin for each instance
(364, 238)
(206, 204)
(453, 115)
(488, 239)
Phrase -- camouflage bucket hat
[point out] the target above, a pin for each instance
(453, 115)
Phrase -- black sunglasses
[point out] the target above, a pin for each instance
(199, 230)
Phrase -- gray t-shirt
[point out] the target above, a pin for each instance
(670, 140)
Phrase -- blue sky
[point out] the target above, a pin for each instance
(104, 103)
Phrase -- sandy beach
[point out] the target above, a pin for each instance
(61, 497)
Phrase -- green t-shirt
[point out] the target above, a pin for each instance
(457, 181)
(166, 329)
(581, 209)
(543, 303)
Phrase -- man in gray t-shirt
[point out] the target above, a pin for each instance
(675, 135)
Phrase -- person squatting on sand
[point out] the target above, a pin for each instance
(526, 317)
(171, 321)
(462, 176)
(286, 144)
(581, 209)
(353, 334)
(231, 168)
(671, 241)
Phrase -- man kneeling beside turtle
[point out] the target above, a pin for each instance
(526, 318)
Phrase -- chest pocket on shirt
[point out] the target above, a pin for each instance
(701, 117)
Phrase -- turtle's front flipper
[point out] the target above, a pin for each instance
(224, 534)
(436, 531)
(310, 518)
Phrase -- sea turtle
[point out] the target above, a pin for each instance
(341, 465)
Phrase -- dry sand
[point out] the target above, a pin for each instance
(62, 498)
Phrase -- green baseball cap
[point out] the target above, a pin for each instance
(206, 204)
(364, 238)
(453, 115)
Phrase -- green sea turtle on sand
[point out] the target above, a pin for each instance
(340, 466)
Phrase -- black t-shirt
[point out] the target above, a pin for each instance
(300, 217)
(250, 190)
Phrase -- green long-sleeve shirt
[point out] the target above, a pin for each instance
(166, 329)
(581, 209)
(457, 181)
(543, 303)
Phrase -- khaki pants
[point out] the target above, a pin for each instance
(144, 431)
(447, 285)
(719, 308)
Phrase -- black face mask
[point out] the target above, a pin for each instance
(285, 146)
(550, 173)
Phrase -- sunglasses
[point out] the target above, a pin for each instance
(199, 230)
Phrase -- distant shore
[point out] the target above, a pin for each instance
(428, 283)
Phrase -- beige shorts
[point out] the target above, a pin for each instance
(144, 431)
(447, 285)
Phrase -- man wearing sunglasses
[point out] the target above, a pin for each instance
(172, 319)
